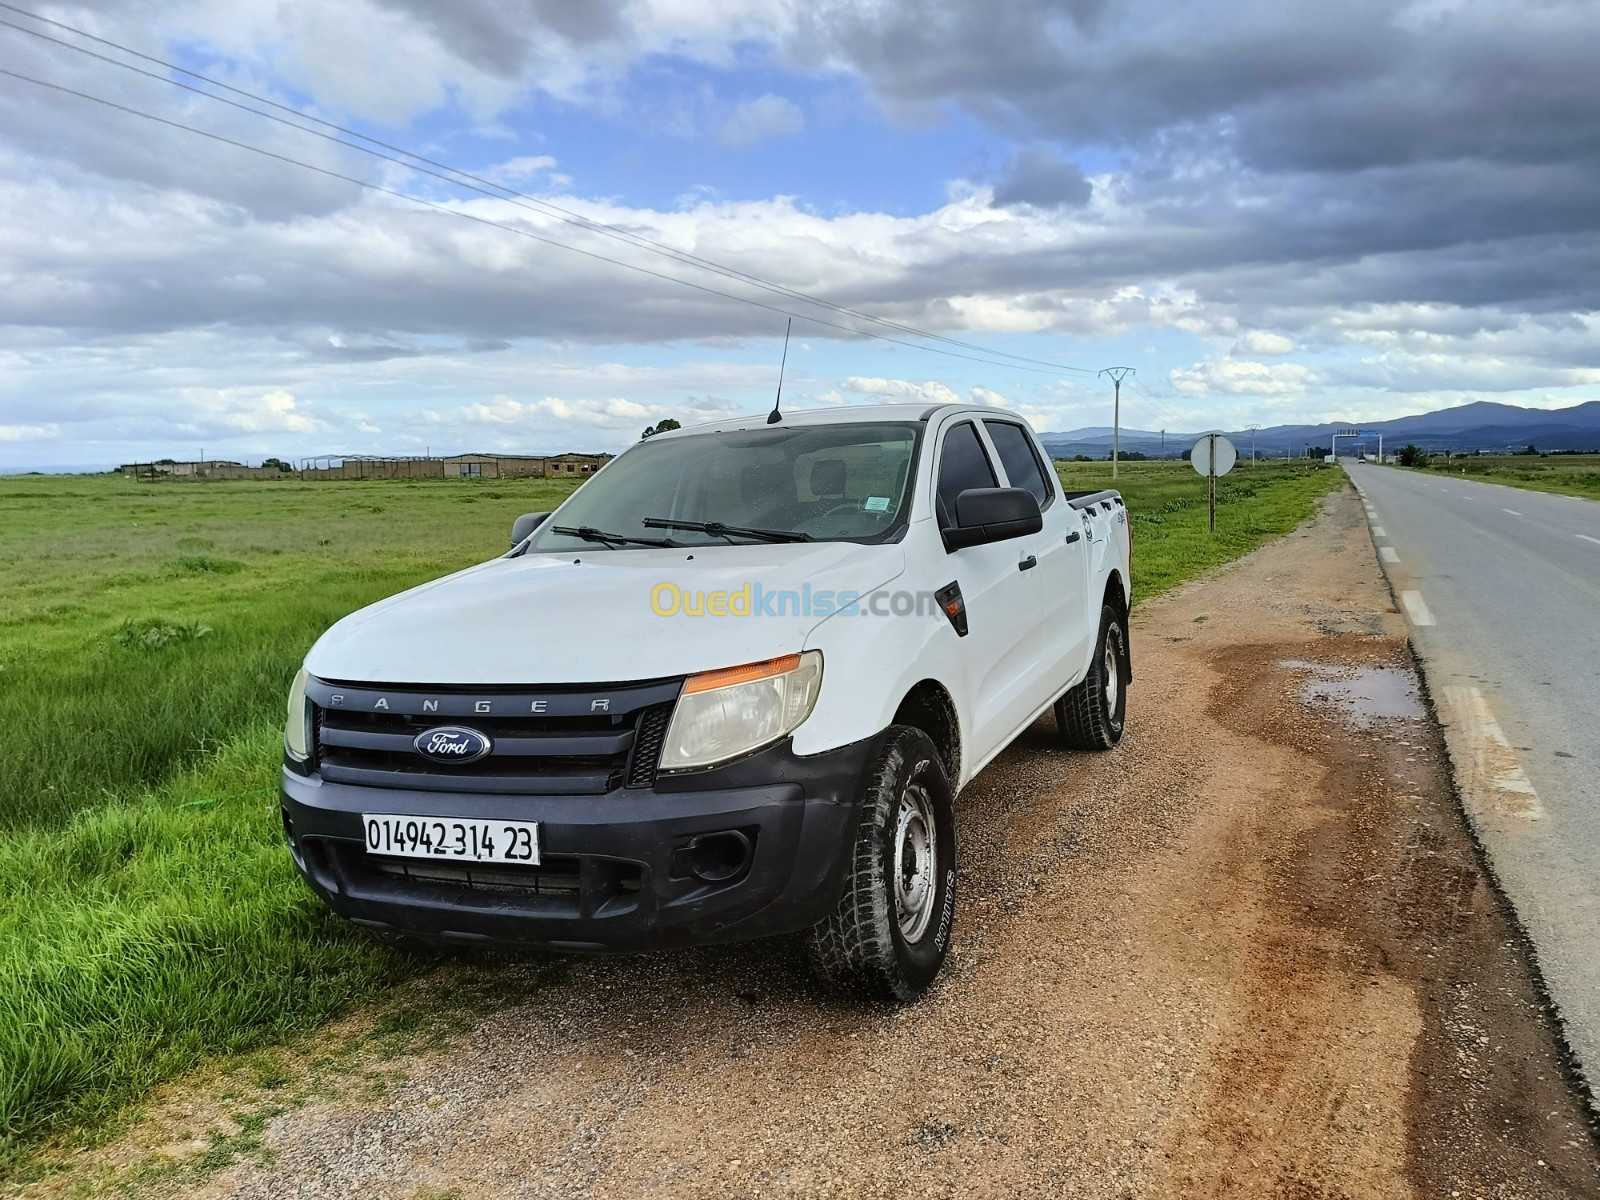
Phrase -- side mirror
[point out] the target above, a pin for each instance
(993, 515)
(524, 525)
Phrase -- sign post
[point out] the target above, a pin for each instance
(1213, 455)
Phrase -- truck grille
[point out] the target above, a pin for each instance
(566, 741)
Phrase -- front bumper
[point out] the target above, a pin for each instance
(618, 870)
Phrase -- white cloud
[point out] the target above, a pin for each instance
(503, 410)
(29, 433)
(526, 167)
(760, 120)
(272, 411)
(1261, 341)
(1242, 377)
(930, 391)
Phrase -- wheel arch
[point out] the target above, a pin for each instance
(928, 706)
(1116, 597)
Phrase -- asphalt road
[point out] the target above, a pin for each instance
(1502, 589)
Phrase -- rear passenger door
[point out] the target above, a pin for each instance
(1063, 561)
(1000, 652)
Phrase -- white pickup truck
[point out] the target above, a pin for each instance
(727, 690)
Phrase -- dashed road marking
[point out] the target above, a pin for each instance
(1389, 554)
(1512, 511)
(1377, 531)
(1493, 773)
(1416, 608)
(1587, 538)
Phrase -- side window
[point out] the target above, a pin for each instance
(962, 465)
(1015, 448)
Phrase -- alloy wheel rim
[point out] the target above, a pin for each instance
(1113, 680)
(915, 866)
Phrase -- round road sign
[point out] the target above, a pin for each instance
(1201, 456)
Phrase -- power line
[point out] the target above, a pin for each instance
(481, 220)
(1153, 397)
(464, 179)
(1177, 416)
(1156, 418)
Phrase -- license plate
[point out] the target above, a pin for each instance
(452, 838)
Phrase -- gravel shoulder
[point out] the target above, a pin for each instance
(1252, 952)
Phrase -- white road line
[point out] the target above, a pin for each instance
(1587, 538)
(1377, 531)
(1493, 774)
(1416, 608)
(1389, 554)
(1512, 511)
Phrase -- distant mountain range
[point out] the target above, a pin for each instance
(1481, 426)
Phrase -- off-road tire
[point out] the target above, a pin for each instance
(863, 947)
(1091, 715)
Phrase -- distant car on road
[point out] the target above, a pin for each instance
(727, 690)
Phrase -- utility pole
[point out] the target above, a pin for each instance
(1163, 445)
(1117, 375)
(1252, 429)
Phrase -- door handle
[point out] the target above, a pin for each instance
(1028, 563)
(1073, 536)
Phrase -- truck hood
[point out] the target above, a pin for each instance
(588, 617)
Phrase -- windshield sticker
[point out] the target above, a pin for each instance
(876, 504)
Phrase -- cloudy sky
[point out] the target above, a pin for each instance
(1275, 211)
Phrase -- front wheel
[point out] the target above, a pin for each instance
(889, 935)
(1091, 715)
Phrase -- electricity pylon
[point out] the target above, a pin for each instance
(1117, 375)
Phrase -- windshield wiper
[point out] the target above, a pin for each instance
(719, 529)
(590, 534)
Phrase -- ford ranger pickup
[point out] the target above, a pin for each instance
(727, 690)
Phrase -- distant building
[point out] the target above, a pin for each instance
(208, 469)
(576, 464)
(364, 466)
(454, 466)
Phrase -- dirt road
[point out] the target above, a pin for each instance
(1250, 953)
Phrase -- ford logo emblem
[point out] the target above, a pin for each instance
(452, 744)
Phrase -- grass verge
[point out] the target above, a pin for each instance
(1171, 541)
(140, 937)
(152, 917)
(1562, 474)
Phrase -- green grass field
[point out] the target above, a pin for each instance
(151, 915)
(1566, 474)
(1168, 501)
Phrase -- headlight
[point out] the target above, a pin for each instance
(723, 714)
(297, 730)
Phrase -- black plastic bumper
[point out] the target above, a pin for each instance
(619, 872)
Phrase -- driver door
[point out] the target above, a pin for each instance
(1000, 654)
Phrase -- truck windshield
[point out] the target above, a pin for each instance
(817, 482)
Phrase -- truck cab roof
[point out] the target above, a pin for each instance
(850, 414)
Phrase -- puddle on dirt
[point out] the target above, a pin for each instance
(1365, 694)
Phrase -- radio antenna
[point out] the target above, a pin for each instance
(775, 416)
